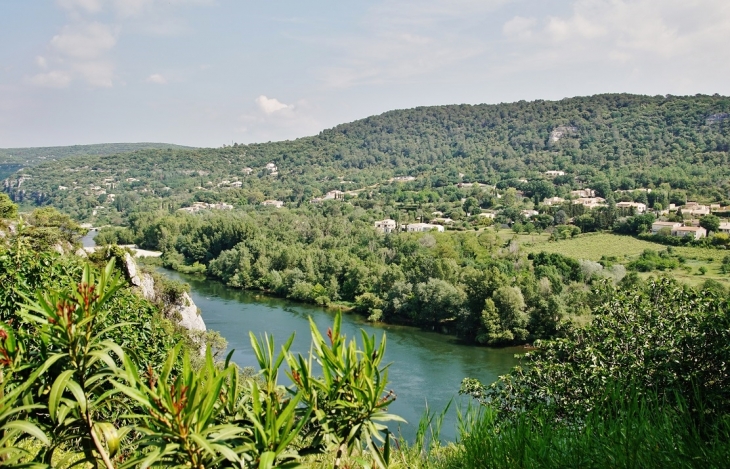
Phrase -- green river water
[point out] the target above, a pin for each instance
(425, 367)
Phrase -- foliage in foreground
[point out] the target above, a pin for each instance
(641, 431)
(661, 337)
(179, 416)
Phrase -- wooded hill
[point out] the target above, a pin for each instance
(12, 159)
(624, 140)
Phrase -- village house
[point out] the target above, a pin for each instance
(657, 226)
(583, 193)
(442, 221)
(247, 171)
(461, 185)
(553, 201)
(402, 179)
(331, 195)
(529, 213)
(553, 174)
(695, 210)
(236, 184)
(696, 232)
(640, 208)
(724, 227)
(198, 206)
(271, 167)
(385, 226)
(489, 215)
(590, 202)
(423, 227)
(273, 203)
(334, 195)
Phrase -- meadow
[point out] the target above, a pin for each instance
(593, 246)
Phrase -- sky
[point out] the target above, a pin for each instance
(214, 72)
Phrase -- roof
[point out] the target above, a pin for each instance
(689, 228)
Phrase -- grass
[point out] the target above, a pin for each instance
(593, 246)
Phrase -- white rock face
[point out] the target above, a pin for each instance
(561, 131)
(131, 267)
(148, 287)
(190, 319)
(185, 307)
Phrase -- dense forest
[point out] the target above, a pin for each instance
(609, 142)
(13, 159)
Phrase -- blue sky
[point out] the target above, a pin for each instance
(213, 72)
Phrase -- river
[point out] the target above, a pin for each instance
(425, 366)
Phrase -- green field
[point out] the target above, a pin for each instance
(593, 246)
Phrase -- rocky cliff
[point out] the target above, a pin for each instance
(182, 309)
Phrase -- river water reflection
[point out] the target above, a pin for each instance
(425, 366)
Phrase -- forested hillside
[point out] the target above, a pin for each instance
(13, 159)
(610, 141)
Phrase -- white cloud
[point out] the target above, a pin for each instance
(519, 27)
(84, 41)
(41, 62)
(157, 79)
(96, 73)
(632, 32)
(270, 105)
(403, 41)
(91, 6)
(53, 79)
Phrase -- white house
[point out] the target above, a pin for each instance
(696, 210)
(490, 215)
(657, 226)
(553, 201)
(529, 213)
(271, 167)
(696, 232)
(334, 195)
(386, 226)
(422, 227)
(583, 193)
(442, 220)
(553, 174)
(247, 171)
(590, 202)
(724, 227)
(640, 208)
(273, 203)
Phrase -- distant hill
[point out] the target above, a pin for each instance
(12, 159)
(624, 140)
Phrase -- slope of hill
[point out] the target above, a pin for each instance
(13, 159)
(623, 140)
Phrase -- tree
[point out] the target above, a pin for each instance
(471, 205)
(7, 208)
(436, 300)
(710, 223)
